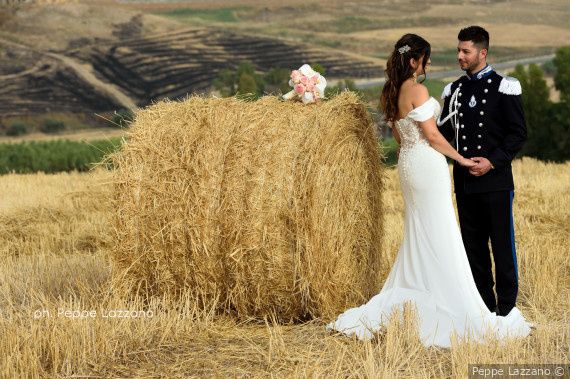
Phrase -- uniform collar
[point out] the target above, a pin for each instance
(486, 71)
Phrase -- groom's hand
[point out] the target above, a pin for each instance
(483, 166)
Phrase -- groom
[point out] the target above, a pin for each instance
(484, 116)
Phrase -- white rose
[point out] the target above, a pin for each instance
(307, 98)
(307, 70)
(321, 85)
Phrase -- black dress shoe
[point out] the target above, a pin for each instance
(503, 311)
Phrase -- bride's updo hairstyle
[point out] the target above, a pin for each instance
(398, 70)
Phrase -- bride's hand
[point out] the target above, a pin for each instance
(466, 162)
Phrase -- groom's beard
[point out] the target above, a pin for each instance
(470, 67)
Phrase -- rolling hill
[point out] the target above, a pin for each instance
(131, 60)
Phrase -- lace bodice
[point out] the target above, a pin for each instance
(410, 132)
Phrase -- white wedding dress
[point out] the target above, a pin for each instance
(431, 268)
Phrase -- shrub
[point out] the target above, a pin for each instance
(278, 78)
(52, 126)
(123, 118)
(17, 129)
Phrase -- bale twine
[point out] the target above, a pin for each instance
(272, 207)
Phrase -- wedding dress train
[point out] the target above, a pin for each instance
(431, 268)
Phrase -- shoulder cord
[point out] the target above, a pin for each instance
(453, 110)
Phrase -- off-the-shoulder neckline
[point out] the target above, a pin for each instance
(416, 108)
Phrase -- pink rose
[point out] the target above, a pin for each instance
(310, 87)
(299, 89)
(304, 80)
(315, 79)
(296, 76)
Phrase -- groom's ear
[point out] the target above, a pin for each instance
(484, 52)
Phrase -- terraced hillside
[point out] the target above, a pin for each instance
(119, 58)
(177, 63)
(145, 69)
(33, 82)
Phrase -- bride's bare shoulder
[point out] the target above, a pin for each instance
(412, 95)
(413, 89)
(418, 94)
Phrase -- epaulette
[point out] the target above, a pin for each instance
(510, 86)
(446, 91)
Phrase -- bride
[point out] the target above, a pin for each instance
(431, 268)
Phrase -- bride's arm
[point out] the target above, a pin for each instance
(439, 143)
(432, 134)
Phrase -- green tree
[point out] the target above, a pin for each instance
(560, 112)
(17, 129)
(246, 84)
(242, 80)
(548, 123)
(536, 103)
(52, 126)
(123, 117)
(278, 79)
(225, 82)
(318, 68)
(562, 78)
(560, 127)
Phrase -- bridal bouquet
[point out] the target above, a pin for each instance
(308, 85)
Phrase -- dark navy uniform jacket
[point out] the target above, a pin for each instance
(490, 123)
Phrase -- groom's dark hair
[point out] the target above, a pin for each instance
(476, 34)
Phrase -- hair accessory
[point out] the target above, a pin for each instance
(404, 49)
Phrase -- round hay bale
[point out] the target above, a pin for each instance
(270, 207)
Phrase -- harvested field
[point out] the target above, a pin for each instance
(59, 263)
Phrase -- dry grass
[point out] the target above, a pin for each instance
(273, 206)
(183, 341)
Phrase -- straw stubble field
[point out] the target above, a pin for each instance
(59, 317)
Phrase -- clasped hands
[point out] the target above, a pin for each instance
(478, 166)
(482, 166)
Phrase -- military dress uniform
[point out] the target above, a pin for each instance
(483, 117)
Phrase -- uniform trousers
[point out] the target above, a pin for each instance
(483, 217)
